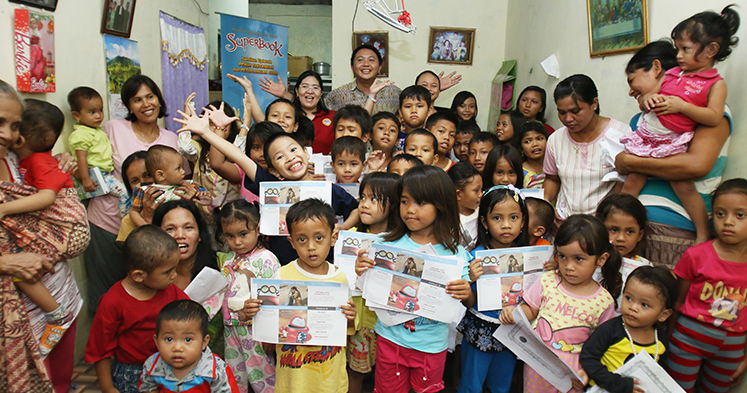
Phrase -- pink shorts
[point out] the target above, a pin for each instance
(399, 369)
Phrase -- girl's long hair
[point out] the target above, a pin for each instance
(383, 186)
(511, 155)
(493, 197)
(432, 185)
(628, 204)
(592, 237)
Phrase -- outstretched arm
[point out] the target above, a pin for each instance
(257, 114)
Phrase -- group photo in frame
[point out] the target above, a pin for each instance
(449, 45)
(616, 26)
(377, 39)
(50, 5)
(117, 19)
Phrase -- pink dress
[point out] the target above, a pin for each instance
(666, 135)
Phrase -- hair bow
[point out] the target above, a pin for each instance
(517, 192)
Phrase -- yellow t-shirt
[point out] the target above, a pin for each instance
(302, 368)
(95, 142)
(125, 228)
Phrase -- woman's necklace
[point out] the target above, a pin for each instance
(632, 346)
(143, 135)
(577, 146)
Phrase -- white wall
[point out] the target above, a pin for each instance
(408, 53)
(538, 28)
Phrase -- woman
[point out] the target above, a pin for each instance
(138, 131)
(670, 231)
(573, 157)
(309, 101)
(432, 82)
(182, 220)
(21, 367)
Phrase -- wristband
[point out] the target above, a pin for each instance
(244, 127)
(371, 98)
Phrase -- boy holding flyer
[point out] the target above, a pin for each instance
(303, 368)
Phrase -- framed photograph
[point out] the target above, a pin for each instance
(117, 18)
(44, 4)
(616, 27)
(451, 45)
(379, 40)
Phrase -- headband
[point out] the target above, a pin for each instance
(517, 192)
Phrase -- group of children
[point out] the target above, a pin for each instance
(427, 176)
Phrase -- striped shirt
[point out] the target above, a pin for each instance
(581, 167)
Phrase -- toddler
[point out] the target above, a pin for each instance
(183, 360)
(348, 158)
(90, 145)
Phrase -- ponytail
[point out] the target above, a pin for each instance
(611, 277)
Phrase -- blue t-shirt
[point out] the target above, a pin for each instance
(428, 336)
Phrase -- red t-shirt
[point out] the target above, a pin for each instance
(324, 134)
(549, 129)
(41, 170)
(717, 288)
(124, 326)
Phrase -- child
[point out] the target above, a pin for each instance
(348, 158)
(503, 167)
(401, 163)
(121, 337)
(713, 317)
(378, 208)
(305, 133)
(414, 102)
(238, 226)
(280, 111)
(385, 133)
(411, 355)
(485, 361)
(443, 126)
(90, 145)
(468, 184)
(423, 145)
(625, 218)
(258, 135)
(134, 173)
(479, 147)
(531, 142)
(352, 120)
(465, 132)
(165, 164)
(508, 125)
(183, 359)
(581, 246)
(648, 300)
(531, 104)
(302, 368)
(41, 125)
(541, 218)
(464, 106)
(286, 159)
(689, 94)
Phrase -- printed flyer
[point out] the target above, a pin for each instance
(346, 251)
(412, 282)
(507, 273)
(276, 197)
(300, 312)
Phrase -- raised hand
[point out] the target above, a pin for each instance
(244, 81)
(194, 123)
(378, 85)
(449, 80)
(277, 89)
(189, 105)
(219, 117)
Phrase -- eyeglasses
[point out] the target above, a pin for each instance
(312, 87)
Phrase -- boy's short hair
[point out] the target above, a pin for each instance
(468, 127)
(438, 116)
(147, 247)
(482, 137)
(386, 115)
(415, 92)
(349, 144)
(305, 131)
(260, 132)
(76, 96)
(309, 209)
(357, 114)
(423, 131)
(38, 119)
(542, 210)
(269, 141)
(407, 158)
(156, 156)
(183, 311)
(361, 47)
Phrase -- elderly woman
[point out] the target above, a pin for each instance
(573, 157)
(670, 230)
(138, 131)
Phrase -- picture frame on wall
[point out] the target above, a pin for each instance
(616, 27)
(378, 39)
(43, 4)
(117, 19)
(450, 45)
